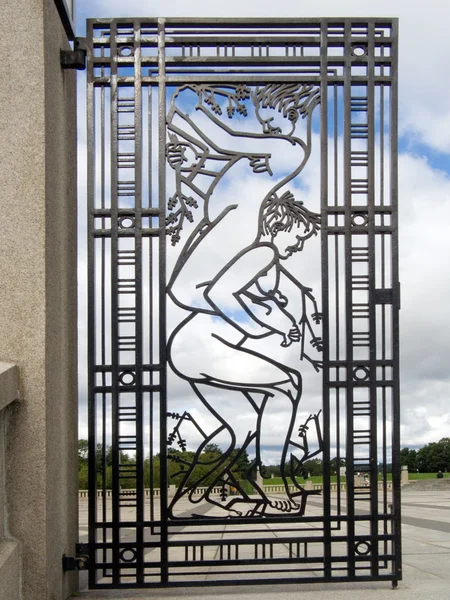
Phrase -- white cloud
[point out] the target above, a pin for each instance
(425, 314)
(423, 55)
(424, 196)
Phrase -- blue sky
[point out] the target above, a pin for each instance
(424, 178)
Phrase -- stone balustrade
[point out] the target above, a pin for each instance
(269, 489)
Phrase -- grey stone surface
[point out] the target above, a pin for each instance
(431, 589)
(9, 384)
(423, 485)
(9, 570)
(38, 290)
(426, 572)
(9, 392)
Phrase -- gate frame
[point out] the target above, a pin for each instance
(378, 296)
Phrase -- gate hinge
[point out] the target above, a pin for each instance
(79, 562)
(76, 58)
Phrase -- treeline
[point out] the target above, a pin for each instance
(179, 462)
(431, 458)
(310, 468)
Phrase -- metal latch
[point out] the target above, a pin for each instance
(76, 58)
(80, 562)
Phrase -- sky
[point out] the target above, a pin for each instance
(424, 184)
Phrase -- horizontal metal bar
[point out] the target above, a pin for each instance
(145, 232)
(257, 581)
(301, 560)
(107, 389)
(250, 61)
(241, 40)
(233, 77)
(244, 22)
(126, 212)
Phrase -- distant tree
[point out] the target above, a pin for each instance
(83, 477)
(179, 464)
(273, 470)
(388, 467)
(83, 464)
(314, 467)
(408, 458)
(83, 449)
(212, 448)
(434, 457)
(241, 462)
(445, 446)
(152, 472)
(203, 473)
(336, 464)
(423, 461)
(104, 460)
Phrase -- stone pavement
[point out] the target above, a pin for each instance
(426, 566)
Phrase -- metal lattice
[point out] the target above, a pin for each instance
(243, 301)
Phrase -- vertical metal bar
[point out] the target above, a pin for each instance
(338, 451)
(384, 471)
(150, 148)
(337, 316)
(114, 311)
(348, 303)
(373, 425)
(325, 296)
(396, 465)
(336, 156)
(140, 499)
(162, 299)
(150, 307)
(382, 85)
(384, 337)
(92, 413)
(383, 318)
(103, 314)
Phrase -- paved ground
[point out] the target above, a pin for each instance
(426, 566)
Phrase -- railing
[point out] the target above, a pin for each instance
(217, 491)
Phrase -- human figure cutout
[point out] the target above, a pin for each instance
(247, 280)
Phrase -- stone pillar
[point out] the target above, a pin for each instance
(259, 479)
(405, 476)
(38, 319)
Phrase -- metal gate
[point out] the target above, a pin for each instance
(243, 301)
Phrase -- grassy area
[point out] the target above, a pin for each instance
(414, 476)
(318, 479)
(315, 479)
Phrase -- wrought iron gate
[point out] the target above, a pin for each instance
(243, 301)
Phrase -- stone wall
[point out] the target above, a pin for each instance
(38, 292)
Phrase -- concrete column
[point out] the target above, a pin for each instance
(259, 479)
(405, 476)
(38, 291)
